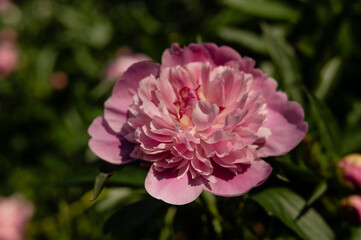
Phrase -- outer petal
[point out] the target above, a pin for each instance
(116, 107)
(222, 55)
(287, 130)
(229, 185)
(107, 144)
(285, 119)
(177, 56)
(165, 186)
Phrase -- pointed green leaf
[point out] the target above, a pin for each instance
(265, 9)
(99, 184)
(128, 176)
(320, 189)
(167, 229)
(328, 77)
(286, 205)
(286, 62)
(327, 125)
(245, 38)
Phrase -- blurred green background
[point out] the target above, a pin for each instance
(57, 89)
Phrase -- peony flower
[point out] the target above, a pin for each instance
(8, 57)
(117, 67)
(351, 166)
(15, 212)
(203, 120)
(351, 207)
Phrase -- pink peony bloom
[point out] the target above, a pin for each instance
(116, 68)
(351, 207)
(203, 119)
(8, 58)
(351, 166)
(15, 212)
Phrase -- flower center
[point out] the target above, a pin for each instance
(186, 102)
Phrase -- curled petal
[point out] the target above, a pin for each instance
(167, 187)
(116, 107)
(107, 144)
(204, 115)
(228, 184)
(285, 135)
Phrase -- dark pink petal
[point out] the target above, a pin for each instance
(286, 130)
(222, 55)
(116, 107)
(175, 55)
(107, 144)
(165, 186)
(204, 115)
(229, 185)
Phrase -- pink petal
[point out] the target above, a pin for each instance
(222, 55)
(177, 56)
(167, 94)
(116, 107)
(165, 186)
(286, 130)
(229, 185)
(204, 115)
(107, 144)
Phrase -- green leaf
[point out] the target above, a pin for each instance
(45, 63)
(127, 175)
(291, 171)
(327, 125)
(99, 184)
(132, 215)
(130, 175)
(286, 205)
(328, 77)
(286, 62)
(211, 204)
(265, 9)
(320, 189)
(245, 38)
(351, 141)
(167, 229)
(356, 233)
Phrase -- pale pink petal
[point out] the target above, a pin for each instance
(285, 135)
(167, 187)
(107, 144)
(167, 94)
(204, 115)
(15, 213)
(229, 184)
(117, 67)
(116, 107)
